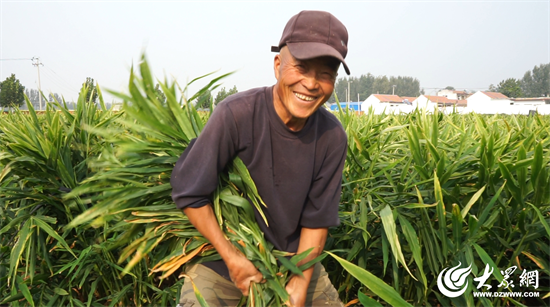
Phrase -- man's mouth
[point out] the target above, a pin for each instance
(304, 97)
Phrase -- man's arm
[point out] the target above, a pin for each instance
(241, 270)
(297, 286)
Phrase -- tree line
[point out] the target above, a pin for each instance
(368, 84)
(34, 97)
(206, 99)
(535, 83)
(12, 94)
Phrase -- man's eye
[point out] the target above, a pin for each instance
(327, 75)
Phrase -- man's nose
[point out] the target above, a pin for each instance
(310, 80)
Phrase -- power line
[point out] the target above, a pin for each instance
(56, 82)
(66, 85)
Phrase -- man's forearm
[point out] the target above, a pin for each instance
(311, 237)
(241, 270)
(205, 222)
(298, 285)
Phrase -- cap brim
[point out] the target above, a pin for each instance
(310, 50)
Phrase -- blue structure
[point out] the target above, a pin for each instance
(354, 106)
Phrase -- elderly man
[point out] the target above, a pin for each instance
(295, 152)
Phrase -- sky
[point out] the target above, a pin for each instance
(464, 44)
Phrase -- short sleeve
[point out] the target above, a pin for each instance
(321, 209)
(195, 175)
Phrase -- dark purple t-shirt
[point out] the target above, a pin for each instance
(298, 174)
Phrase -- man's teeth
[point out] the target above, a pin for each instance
(303, 97)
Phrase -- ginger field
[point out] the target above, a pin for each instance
(86, 217)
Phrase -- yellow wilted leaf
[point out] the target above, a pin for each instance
(173, 265)
(162, 225)
(536, 260)
(185, 246)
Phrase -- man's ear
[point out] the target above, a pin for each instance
(277, 65)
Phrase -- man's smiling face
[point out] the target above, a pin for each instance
(302, 86)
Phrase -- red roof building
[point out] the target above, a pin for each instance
(388, 98)
(495, 95)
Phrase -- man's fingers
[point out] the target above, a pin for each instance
(245, 286)
(244, 289)
(258, 278)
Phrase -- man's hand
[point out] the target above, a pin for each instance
(297, 289)
(241, 270)
(297, 285)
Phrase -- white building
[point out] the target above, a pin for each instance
(408, 100)
(452, 94)
(379, 98)
(527, 105)
(480, 102)
(429, 102)
(458, 106)
(490, 103)
(386, 104)
(531, 101)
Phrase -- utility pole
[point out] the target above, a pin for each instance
(37, 64)
(393, 89)
(349, 93)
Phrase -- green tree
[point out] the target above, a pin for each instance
(510, 87)
(222, 94)
(368, 84)
(204, 100)
(12, 93)
(54, 96)
(405, 86)
(381, 85)
(450, 88)
(536, 83)
(33, 96)
(362, 86)
(91, 96)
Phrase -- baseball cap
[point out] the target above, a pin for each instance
(311, 34)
